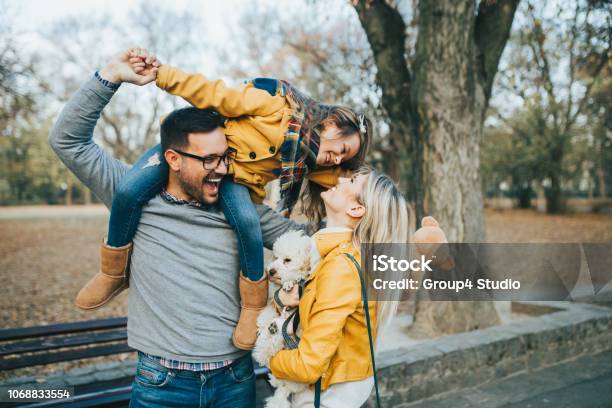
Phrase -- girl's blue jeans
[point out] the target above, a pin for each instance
(149, 176)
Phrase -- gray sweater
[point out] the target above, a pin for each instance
(183, 298)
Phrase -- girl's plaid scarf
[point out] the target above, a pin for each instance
(301, 146)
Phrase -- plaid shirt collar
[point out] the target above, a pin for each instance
(172, 199)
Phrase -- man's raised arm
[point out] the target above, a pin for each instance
(72, 133)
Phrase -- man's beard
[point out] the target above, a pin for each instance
(193, 189)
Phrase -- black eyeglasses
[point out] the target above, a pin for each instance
(212, 161)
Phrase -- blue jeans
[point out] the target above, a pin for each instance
(157, 386)
(147, 177)
(150, 175)
(240, 212)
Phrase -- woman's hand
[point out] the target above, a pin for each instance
(290, 298)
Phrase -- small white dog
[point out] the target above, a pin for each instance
(290, 265)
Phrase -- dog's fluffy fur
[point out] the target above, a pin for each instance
(291, 263)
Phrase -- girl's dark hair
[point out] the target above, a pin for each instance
(181, 122)
(349, 122)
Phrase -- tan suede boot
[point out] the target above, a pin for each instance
(253, 298)
(109, 281)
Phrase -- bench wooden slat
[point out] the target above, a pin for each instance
(53, 343)
(62, 328)
(111, 397)
(108, 397)
(60, 356)
(41, 345)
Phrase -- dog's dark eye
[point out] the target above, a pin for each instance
(286, 260)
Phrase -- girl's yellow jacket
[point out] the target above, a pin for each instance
(256, 126)
(334, 343)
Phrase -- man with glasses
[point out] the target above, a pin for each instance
(212, 161)
(183, 300)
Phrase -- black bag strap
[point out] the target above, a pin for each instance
(364, 297)
(317, 400)
(292, 342)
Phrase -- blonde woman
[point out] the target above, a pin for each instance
(334, 345)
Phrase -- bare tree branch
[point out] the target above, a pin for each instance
(603, 61)
(491, 32)
(539, 51)
(385, 30)
(572, 63)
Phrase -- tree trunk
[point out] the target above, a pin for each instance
(523, 195)
(553, 195)
(393, 166)
(441, 104)
(68, 197)
(601, 181)
(540, 197)
(554, 204)
(451, 102)
(86, 195)
(601, 161)
(386, 30)
(435, 318)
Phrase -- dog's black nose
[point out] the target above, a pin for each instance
(272, 272)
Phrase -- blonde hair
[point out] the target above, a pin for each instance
(386, 220)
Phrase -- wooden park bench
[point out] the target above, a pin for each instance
(56, 343)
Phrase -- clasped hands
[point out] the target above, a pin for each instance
(135, 65)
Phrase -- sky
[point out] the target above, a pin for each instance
(32, 16)
(36, 13)
(220, 18)
(29, 19)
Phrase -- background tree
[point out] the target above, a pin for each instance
(321, 48)
(33, 91)
(15, 96)
(27, 166)
(599, 121)
(511, 156)
(130, 124)
(436, 98)
(556, 62)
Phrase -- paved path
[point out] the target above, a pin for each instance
(585, 382)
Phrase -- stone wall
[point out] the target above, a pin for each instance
(468, 359)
